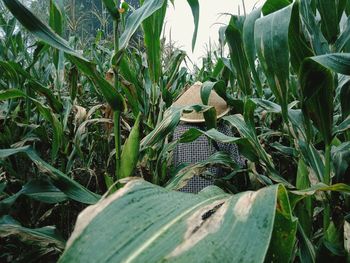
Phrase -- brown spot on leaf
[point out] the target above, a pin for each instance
(203, 222)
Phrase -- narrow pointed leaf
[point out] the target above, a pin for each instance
(338, 62)
(271, 6)
(341, 160)
(43, 32)
(67, 185)
(284, 231)
(244, 146)
(312, 158)
(344, 39)
(11, 94)
(344, 100)
(112, 8)
(136, 18)
(184, 175)
(38, 28)
(330, 12)
(249, 45)
(170, 121)
(298, 45)
(271, 42)
(45, 236)
(194, 4)
(238, 58)
(248, 132)
(152, 28)
(317, 88)
(40, 190)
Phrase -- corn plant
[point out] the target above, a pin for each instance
(54, 97)
(287, 108)
(286, 80)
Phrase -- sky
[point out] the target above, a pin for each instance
(179, 21)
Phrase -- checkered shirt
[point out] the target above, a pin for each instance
(200, 150)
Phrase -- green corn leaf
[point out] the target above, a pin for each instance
(338, 62)
(344, 39)
(10, 73)
(298, 45)
(285, 228)
(271, 42)
(136, 18)
(289, 151)
(330, 12)
(304, 210)
(210, 116)
(341, 160)
(184, 175)
(206, 89)
(308, 14)
(249, 46)
(248, 132)
(67, 185)
(179, 227)
(38, 28)
(173, 67)
(271, 6)
(11, 94)
(38, 189)
(341, 188)
(170, 121)
(54, 103)
(219, 66)
(56, 17)
(267, 105)
(317, 88)
(221, 89)
(112, 8)
(43, 32)
(244, 146)
(307, 250)
(152, 27)
(130, 74)
(45, 112)
(249, 110)
(342, 127)
(279, 39)
(194, 4)
(49, 116)
(45, 236)
(344, 100)
(131, 150)
(238, 58)
(312, 158)
(56, 21)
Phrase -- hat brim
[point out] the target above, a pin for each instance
(201, 120)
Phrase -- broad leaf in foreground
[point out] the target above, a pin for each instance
(152, 224)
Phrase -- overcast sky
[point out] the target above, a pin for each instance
(180, 21)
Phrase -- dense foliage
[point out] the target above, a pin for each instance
(74, 124)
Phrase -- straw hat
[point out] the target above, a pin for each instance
(193, 96)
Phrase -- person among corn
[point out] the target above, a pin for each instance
(201, 149)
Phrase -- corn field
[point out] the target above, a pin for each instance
(87, 122)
